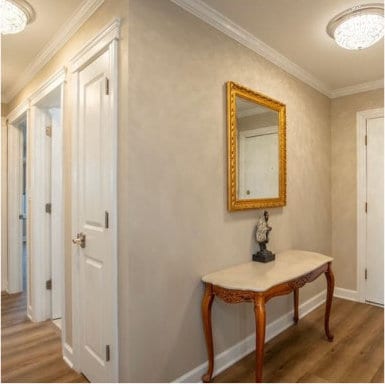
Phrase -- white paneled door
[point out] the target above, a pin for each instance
(95, 243)
(375, 211)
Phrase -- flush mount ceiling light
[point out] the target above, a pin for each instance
(358, 27)
(14, 16)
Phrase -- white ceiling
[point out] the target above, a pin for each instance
(20, 50)
(297, 30)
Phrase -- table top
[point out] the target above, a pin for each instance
(259, 277)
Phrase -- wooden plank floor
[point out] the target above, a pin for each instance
(30, 352)
(302, 354)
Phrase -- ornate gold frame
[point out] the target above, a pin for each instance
(234, 204)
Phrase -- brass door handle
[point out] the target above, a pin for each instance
(80, 239)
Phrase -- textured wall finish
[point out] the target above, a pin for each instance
(174, 223)
(344, 181)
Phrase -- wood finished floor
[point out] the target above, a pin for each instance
(30, 352)
(302, 354)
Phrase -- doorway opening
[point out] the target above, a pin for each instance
(47, 207)
(17, 252)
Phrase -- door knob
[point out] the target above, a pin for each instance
(80, 239)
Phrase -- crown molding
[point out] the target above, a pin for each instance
(75, 21)
(364, 87)
(233, 30)
(217, 20)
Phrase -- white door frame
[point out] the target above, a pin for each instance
(15, 273)
(362, 117)
(106, 40)
(40, 255)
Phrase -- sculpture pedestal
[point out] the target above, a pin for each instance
(264, 256)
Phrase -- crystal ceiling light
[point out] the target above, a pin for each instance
(358, 27)
(14, 16)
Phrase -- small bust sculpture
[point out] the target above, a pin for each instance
(262, 237)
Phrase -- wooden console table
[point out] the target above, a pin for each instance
(259, 282)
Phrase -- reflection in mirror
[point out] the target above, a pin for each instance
(258, 153)
(256, 131)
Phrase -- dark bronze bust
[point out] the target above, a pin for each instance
(262, 238)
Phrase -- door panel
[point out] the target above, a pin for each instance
(375, 214)
(95, 199)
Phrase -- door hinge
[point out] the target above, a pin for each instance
(48, 131)
(366, 274)
(107, 86)
(107, 353)
(48, 284)
(48, 207)
(106, 219)
(366, 207)
(366, 139)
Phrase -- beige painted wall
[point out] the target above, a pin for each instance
(344, 181)
(174, 226)
(4, 211)
(4, 208)
(173, 223)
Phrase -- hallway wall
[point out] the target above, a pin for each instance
(174, 224)
(344, 181)
(4, 207)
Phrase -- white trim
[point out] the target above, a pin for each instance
(96, 45)
(67, 354)
(364, 87)
(362, 116)
(17, 112)
(71, 26)
(107, 39)
(233, 30)
(347, 294)
(48, 86)
(29, 312)
(247, 345)
(74, 223)
(217, 20)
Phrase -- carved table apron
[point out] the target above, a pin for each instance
(225, 285)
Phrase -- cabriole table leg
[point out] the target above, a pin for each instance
(260, 327)
(330, 289)
(206, 317)
(296, 295)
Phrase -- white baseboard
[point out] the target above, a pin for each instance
(346, 294)
(29, 312)
(247, 345)
(68, 355)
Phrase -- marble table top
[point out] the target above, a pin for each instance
(259, 277)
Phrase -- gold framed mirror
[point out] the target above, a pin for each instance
(256, 147)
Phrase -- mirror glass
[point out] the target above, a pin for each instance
(258, 154)
(256, 149)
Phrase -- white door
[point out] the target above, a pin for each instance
(15, 208)
(375, 212)
(259, 161)
(96, 198)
